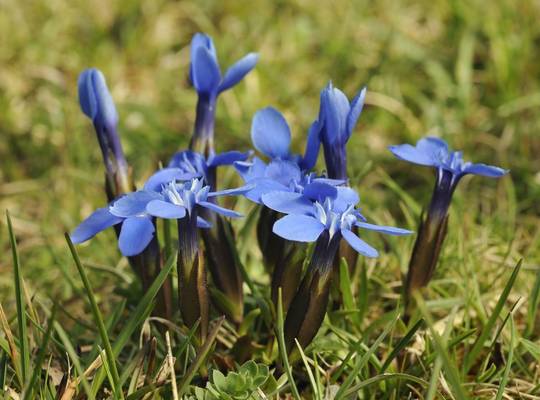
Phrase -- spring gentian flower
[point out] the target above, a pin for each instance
(198, 165)
(205, 75)
(318, 217)
(184, 202)
(450, 168)
(96, 102)
(137, 229)
(337, 119)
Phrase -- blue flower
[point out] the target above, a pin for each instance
(96, 102)
(434, 152)
(179, 199)
(205, 75)
(197, 165)
(337, 215)
(337, 119)
(137, 228)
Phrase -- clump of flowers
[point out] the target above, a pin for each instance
(298, 204)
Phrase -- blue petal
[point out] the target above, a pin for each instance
(164, 209)
(205, 73)
(87, 96)
(250, 170)
(270, 133)
(319, 191)
(220, 210)
(346, 197)
(190, 162)
(300, 228)
(287, 202)
(133, 204)
(335, 109)
(283, 171)
(485, 170)
(433, 146)
(232, 192)
(98, 221)
(409, 153)
(163, 176)
(237, 71)
(312, 147)
(227, 158)
(328, 181)
(356, 108)
(95, 99)
(358, 244)
(390, 230)
(262, 186)
(135, 235)
(202, 223)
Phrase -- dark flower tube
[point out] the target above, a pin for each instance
(450, 168)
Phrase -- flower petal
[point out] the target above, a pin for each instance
(133, 204)
(262, 186)
(346, 197)
(318, 191)
(335, 109)
(205, 73)
(356, 109)
(270, 133)
(238, 70)
(287, 202)
(249, 170)
(489, 171)
(135, 235)
(98, 221)
(283, 171)
(227, 158)
(300, 228)
(409, 153)
(358, 244)
(166, 175)
(164, 209)
(390, 230)
(87, 96)
(220, 210)
(232, 192)
(312, 147)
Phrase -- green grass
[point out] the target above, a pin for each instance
(458, 69)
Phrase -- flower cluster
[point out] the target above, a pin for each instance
(298, 204)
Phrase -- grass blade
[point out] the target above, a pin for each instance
(473, 354)
(201, 356)
(41, 356)
(19, 298)
(283, 348)
(510, 359)
(363, 360)
(401, 344)
(534, 303)
(111, 361)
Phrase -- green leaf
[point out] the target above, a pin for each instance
(110, 361)
(473, 354)
(19, 298)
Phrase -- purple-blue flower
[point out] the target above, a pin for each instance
(205, 75)
(198, 166)
(450, 166)
(308, 219)
(334, 127)
(96, 102)
(162, 196)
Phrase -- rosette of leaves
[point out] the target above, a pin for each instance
(239, 385)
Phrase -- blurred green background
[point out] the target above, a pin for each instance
(464, 70)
